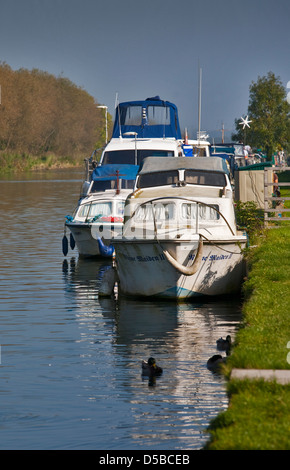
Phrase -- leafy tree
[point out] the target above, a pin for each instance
(269, 112)
(41, 114)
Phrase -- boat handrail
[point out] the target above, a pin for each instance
(186, 199)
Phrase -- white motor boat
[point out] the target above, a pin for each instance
(180, 238)
(102, 210)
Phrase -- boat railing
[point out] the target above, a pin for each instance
(155, 222)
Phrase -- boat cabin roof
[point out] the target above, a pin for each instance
(153, 164)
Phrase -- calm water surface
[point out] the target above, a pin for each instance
(70, 372)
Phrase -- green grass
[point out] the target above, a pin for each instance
(259, 413)
(285, 192)
(257, 418)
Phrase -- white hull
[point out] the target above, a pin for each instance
(86, 243)
(143, 269)
(86, 231)
(180, 238)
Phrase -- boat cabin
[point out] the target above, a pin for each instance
(115, 176)
(102, 210)
(150, 118)
(208, 174)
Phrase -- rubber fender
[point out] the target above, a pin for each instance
(65, 245)
(72, 242)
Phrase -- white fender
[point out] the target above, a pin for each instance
(108, 282)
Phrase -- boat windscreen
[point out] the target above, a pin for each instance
(103, 185)
(128, 156)
(157, 179)
(163, 178)
(131, 115)
(205, 178)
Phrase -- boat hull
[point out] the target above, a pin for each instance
(87, 246)
(144, 270)
(86, 238)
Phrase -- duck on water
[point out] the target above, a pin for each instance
(224, 344)
(150, 368)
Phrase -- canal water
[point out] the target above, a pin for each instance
(70, 371)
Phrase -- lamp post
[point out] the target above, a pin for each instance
(106, 117)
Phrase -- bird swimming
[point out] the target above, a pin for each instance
(215, 361)
(151, 368)
(224, 344)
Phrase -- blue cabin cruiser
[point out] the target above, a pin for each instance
(151, 118)
(141, 129)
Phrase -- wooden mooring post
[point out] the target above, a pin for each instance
(279, 209)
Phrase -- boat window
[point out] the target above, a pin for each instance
(157, 179)
(188, 211)
(83, 210)
(103, 185)
(127, 184)
(207, 178)
(161, 212)
(128, 156)
(100, 208)
(100, 186)
(120, 208)
(199, 151)
(131, 116)
(158, 115)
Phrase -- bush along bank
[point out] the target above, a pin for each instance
(14, 163)
(258, 415)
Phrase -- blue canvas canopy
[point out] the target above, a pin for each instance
(109, 172)
(151, 118)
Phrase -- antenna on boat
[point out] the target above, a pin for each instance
(164, 118)
(118, 182)
(199, 100)
(223, 132)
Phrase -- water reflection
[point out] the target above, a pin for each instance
(70, 374)
(173, 410)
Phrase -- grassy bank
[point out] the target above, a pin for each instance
(258, 416)
(14, 162)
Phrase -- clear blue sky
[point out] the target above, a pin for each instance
(146, 48)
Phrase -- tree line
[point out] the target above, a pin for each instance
(41, 114)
